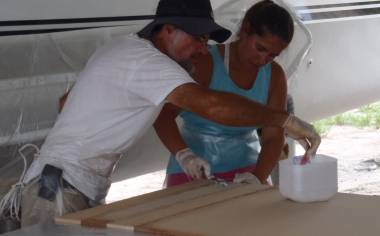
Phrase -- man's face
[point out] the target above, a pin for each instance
(183, 46)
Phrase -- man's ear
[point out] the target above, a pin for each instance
(168, 29)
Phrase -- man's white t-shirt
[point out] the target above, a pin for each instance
(115, 100)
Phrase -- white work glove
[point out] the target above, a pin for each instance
(304, 133)
(194, 166)
(246, 177)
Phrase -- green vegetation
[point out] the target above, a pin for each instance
(366, 116)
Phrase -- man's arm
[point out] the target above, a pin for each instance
(62, 101)
(230, 109)
(167, 129)
(225, 108)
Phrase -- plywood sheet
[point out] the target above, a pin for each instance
(268, 213)
(203, 208)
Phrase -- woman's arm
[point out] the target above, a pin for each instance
(272, 139)
(168, 131)
(165, 124)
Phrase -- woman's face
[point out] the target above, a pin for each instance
(260, 50)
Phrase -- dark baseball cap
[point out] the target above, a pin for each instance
(195, 17)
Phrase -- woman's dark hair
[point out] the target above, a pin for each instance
(268, 17)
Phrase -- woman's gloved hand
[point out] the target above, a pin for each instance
(192, 165)
(304, 133)
(246, 177)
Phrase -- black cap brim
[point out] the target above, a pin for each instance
(196, 26)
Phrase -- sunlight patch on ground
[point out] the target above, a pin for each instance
(136, 186)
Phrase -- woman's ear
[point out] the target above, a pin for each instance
(245, 29)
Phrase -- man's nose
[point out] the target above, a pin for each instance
(202, 48)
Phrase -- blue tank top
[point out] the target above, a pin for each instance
(224, 147)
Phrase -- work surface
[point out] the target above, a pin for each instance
(69, 230)
(205, 208)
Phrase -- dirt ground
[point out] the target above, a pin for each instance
(357, 151)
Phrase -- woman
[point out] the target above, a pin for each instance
(244, 67)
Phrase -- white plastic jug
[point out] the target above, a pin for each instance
(312, 182)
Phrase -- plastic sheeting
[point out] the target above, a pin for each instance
(37, 69)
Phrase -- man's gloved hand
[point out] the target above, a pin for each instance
(194, 166)
(246, 177)
(304, 133)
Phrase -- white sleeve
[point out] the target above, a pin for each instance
(156, 78)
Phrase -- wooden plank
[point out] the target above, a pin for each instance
(268, 213)
(94, 223)
(233, 191)
(128, 212)
(152, 231)
(93, 213)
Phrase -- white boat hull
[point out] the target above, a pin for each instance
(341, 72)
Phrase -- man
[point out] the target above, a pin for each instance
(117, 98)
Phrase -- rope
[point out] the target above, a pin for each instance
(10, 204)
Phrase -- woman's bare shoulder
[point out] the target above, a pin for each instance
(277, 71)
(278, 87)
(202, 69)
